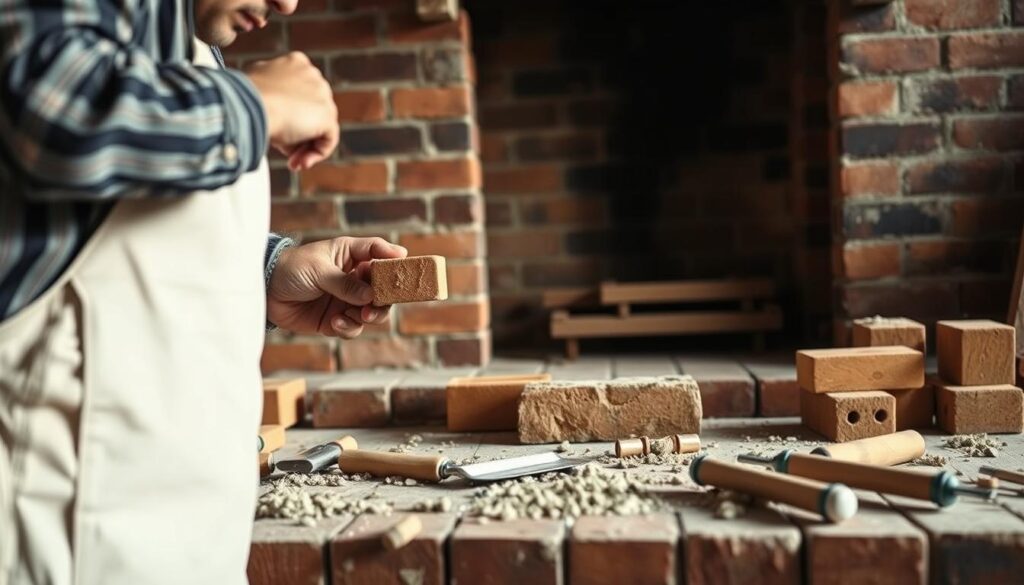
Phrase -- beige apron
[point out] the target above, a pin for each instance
(129, 398)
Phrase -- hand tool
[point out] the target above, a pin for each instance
(1003, 474)
(835, 502)
(266, 464)
(646, 445)
(318, 457)
(437, 467)
(890, 449)
(271, 438)
(402, 532)
(941, 488)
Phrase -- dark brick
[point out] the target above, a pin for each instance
(914, 300)
(987, 216)
(948, 95)
(451, 136)
(280, 182)
(598, 178)
(593, 111)
(444, 66)
(518, 116)
(572, 146)
(985, 298)
(945, 258)
(901, 219)
(878, 140)
(962, 176)
(1015, 91)
(385, 210)
(1001, 133)
(558, 82)
(381, 140)
(457, 209)
(776, 168)
(465, 352)
(499, 213)
(1018, 12)
(602, 242)
(859, 19)
(749, 138)
(375, 67)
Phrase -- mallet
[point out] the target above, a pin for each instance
(891, 449)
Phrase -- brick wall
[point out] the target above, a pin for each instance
(928, 181)
(406, 169)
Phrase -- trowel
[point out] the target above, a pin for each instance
(437, 467)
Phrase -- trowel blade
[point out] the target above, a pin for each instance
(518, 466)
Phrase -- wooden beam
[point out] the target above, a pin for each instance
(673, 323)
(613, 293)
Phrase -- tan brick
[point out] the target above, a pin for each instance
(284, 552)
(975, 352)
(353, 400)
(358, 557)
(859, 368)
(466, 279)
(607, 410)
(283, 401)
(449, 317)
(513, 552)
(487, 403)
(997, 408)
(847, 416)
(867, 99)
(915, 407)
(408, 280)
(639, 550)
(881, 331)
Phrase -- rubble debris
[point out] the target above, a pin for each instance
(292, 503)
(411, 442)
(442, 504)
(977, 445)
(931, 460)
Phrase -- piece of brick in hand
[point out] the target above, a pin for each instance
(408, 280)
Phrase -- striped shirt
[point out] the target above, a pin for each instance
(98, 102)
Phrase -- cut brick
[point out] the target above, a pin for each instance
(847, 416)
(980, 409)
(777, 389)
(353, 400)
(859, 368)
(607, 410)
(624, 549)
(409, 280)
(487, 403)
(284, 552)
(358, 555)
(881, 331)
(726, 389)
(513, 552)
(915, 407)
(420, 398)
(283, 401)
(977, 352)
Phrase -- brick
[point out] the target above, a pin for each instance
(976, 352)
(436, 102)
(562, 147)
(518, 116)
(407, 28)
(1015, 92)
(458, 209)
(360, 106)
(524, 244)
(760, 546)
(898, 219)
(550, 412)
(444, 66)
(283, 401)
(353, 400)
(777, 389)
(915, 407)
(859, 368)
(870, 179)
(303, 215)
(451, 245)
(269, 39)
(997, 408)
(451, 136)
(466, 279)
(870, 18)
(357, 555)
(531, 179)
(487, 403)
(882, 331)
(847, 416)
(986, 50)
(388, 352)
(914, 298)
(593, 112)
(376, 67)
(284, 552)
(867, 261)
(439, 174)
(388, 210)
(563, 210)
(726, 389)
(326, 33)
(553, 82)
(449, 317)
(985, 296)
(317, 357)
(467, 351)
(408, 280)
(959, 14)
(979, 175)
(990, 134)
(944, 257)
(868, 99)
(493, 148)
(950, 95)
(512, 552)
(351, 178)
(599, 544)
(987, 217)
(381, 140)
(881, 140)
(899, 55)
(421, 397)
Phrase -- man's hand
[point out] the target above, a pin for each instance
(322, 287)
(302, 118)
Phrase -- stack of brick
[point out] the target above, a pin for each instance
(976, 392)
(915, 407)
(846, 393)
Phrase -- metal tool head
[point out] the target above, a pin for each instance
(515, 467)
(312, 460)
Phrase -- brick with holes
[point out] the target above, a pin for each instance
(847, 416)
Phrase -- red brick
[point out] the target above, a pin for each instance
(326, 33)
(317, 357)
(870, 179)
(376, 67)
(408, 28)
(524, 51)
(953, 14)
(498, 213)
(502, 276)
(439, 174)
(861, 262)
(1015, 91)
(973, 217)
(357, 178)
(386, 210)
(524, 244)
(508, 553)
(868, 99)
(358, 556)
(269, 39)
(980, 175)
(360, 106)
(493, 148)
(474, 351)
(900, 55)
(986, 50)
(465, 279)
(524, 179)
(388, 352)
(564, 147)
(859, 19)
(777, 389)
(448, 317)
(451, 245)
(912, 299)
(518, 116)
(1000, 133)
(303, 215)
(353, 400)
(726, 389)
(284, 552)
(962, 93)
(563, 210)
(447, 102)
(599, 545)
(458, 209)
(950, 257)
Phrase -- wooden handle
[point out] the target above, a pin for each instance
(888, 480)
(266, 464)
(884, 450)
(272, 437)
(347, 443)
(1004, 474)
(422, 467)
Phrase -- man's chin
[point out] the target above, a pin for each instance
(221, 37)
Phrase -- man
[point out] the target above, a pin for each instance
(136, 276)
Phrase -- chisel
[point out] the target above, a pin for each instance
(319, 457)
(437, 467)
(891, 449)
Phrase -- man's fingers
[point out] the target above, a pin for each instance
(371, 314)
(347, 288)
(364, 249)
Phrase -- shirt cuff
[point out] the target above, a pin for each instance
(275, 245)
(245, 119)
